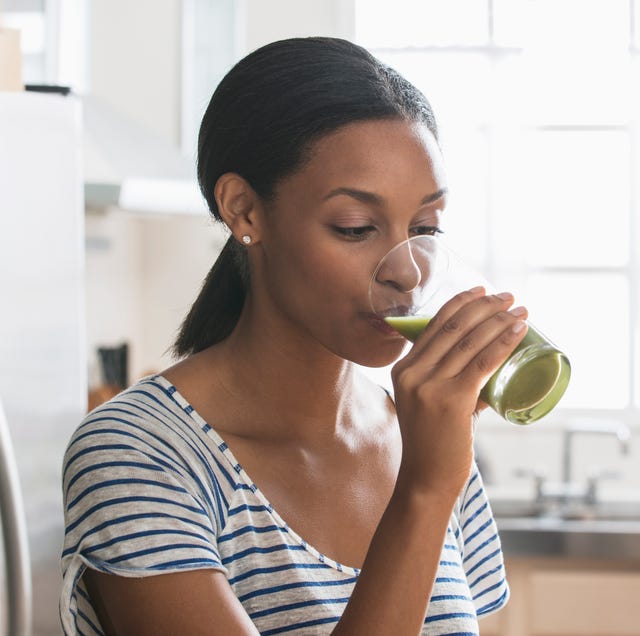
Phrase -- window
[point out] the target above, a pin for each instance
(29, 17)
(540, 124)
(208, 52)
(52, 39)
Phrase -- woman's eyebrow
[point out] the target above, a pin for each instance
(430, 198)
(375, 199)
(361, 195)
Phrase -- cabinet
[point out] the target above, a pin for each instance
(566, 597)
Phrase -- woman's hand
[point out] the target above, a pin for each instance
(438, 383)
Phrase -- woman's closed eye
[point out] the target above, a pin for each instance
(357, 233)
(429, 230)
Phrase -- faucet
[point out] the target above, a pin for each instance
(557, 497)
(591, 427)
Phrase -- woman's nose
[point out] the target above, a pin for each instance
(400, 269)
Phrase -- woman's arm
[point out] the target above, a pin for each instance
(436, 393)
(395, 584)
(193, 603)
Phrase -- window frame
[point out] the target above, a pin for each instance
(492, 263)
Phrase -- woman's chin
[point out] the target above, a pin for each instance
(380, 356)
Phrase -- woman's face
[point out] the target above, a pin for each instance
(366, 187)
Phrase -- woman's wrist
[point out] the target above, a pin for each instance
(419, 496)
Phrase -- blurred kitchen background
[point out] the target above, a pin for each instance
(104, 241)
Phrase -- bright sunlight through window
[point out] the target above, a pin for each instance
(539, 110)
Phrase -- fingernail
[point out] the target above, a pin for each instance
(505, 296)
(519, 326)
(475, 290)
(518, 311)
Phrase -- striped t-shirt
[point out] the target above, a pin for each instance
(150, 487)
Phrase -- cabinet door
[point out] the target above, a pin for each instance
(584, 603)
(491, 625)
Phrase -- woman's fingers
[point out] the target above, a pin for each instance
(487, 345)
(445, 316)
(488, 359)
(468, 340)
(453, 324)
(449, 309)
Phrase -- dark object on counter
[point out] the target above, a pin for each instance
(114, 365)
(48, 88)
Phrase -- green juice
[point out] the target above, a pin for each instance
(527, 386)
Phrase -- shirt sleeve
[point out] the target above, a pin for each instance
(482, 557)
(133, 507)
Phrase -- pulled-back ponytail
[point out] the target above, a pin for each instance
(260, 123)
(217, 308)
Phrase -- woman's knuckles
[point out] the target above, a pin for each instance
(452, 325)
(466, 344)
(484, 364)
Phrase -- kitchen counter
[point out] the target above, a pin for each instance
(568, 554)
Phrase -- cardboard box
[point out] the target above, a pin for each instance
(10, 61)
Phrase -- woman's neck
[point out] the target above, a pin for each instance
(289, 374)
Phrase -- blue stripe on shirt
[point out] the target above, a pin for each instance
(298, 584)
(121, 482)
(119, 500)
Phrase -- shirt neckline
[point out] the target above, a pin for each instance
(242, 474)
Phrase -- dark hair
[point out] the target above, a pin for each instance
(261, 122)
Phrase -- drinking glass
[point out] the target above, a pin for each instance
(416, 277)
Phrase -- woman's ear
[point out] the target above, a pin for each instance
(239, 207)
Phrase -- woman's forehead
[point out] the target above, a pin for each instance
(379, 150)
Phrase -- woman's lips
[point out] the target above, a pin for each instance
(379, 324)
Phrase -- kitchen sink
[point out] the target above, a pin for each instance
(609, 530)
(603, 511)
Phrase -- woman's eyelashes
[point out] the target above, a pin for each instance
(357, 233)
(429, 230)
(361, 232)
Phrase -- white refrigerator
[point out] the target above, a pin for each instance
(42, 342)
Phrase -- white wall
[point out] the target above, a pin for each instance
(176, 255)
(142, 272)
(135, 61)
(263, 22)
(142, 275)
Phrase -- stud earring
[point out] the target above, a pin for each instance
(246, 239)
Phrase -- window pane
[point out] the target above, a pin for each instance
(637, 367)
(380, 23)
(208, 52)
(576, 62)
(565, 25)
(31, 27)
(587, 316)
(28, 17)
(509, 22)
(466, 221)
(565, 197)
(454, 83)
(575, 90)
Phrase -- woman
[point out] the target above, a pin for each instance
(262, 484)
